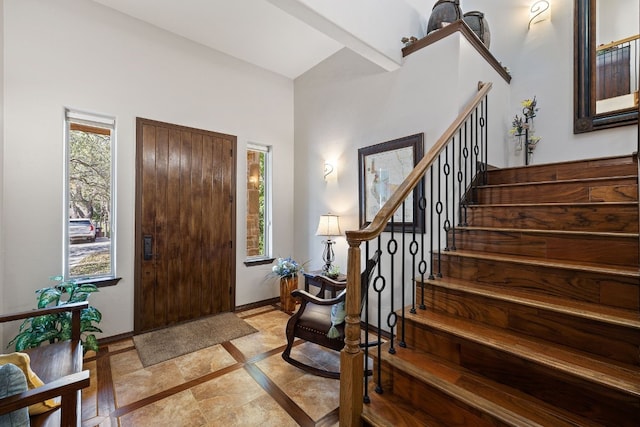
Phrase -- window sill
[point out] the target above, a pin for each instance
(101, 282)
(258, 261)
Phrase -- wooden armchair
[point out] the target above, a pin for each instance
(59, 366)
(312, 321)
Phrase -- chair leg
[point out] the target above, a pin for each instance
(311, 369)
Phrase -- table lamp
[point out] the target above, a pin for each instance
(328, 226)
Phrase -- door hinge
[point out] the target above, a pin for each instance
(230, 291)
(230, 199)
(231, 152)
(231, 244)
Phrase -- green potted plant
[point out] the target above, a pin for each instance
(57, 327)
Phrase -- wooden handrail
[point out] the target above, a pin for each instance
(618, 42)
(351, 358)
(386, 211)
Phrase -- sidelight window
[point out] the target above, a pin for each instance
(88, 227)
(258, 203)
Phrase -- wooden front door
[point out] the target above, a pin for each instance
(185, 224)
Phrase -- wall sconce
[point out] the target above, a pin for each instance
(540, 11)
(330, 171)
(328, 226)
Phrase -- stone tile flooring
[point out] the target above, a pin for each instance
(243, 382)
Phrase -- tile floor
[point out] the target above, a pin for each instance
(243, 382)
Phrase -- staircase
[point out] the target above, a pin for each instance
(535, 320)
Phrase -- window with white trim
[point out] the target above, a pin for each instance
(89, 232)
(258, 203)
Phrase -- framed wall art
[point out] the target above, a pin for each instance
(381, 169)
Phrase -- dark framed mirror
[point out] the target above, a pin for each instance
(586, 116)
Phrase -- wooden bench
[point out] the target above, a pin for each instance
(59, 366)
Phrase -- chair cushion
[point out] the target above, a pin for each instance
(13, 381)
(22, 361)
(316, 321)
(338, 313)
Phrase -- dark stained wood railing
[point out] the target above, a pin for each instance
(463, 150)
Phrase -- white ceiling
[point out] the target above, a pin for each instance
(255, 31)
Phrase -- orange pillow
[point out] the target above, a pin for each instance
(22, 361)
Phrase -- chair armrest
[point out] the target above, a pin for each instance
(75, 309)
(76, 306)
(307, 297)
(60, 387)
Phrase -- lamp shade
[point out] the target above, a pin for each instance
(328, 225)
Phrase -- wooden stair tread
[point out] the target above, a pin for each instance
(615, 160)
(388, 410)
(590, 368)
(632, 272)
(598, 312)
(500, 401)
(579, 204)
(562, 181)
(553, 232)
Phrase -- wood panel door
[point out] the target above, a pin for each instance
(185, 224)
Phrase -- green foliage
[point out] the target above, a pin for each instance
(92, 265)
(57, 327)
(90, 176)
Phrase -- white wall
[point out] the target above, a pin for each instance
(3, 296)
(616, 19)
(346, 103)
(78, 54)
(541, 63)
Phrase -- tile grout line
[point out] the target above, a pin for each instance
(123, 410)
(272, 389)
(106, 391)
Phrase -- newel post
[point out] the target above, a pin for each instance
(351, 358)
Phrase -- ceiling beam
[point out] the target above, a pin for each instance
(339, 21)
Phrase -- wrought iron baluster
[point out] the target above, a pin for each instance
(366, 398)
(392, 318)
(422, 264)
(447, 223)
(485, 105)
(474, 162)
(431, 233)
(379, 283)
(402, 342)
(453, 194)
(439, 212)
(467, 181)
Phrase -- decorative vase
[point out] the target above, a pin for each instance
(287, 285)
(478, 23)
(443, 13)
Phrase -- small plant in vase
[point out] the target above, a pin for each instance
(522, 129)
(287, 269)
(333, 272)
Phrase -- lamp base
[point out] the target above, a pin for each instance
(328, 256)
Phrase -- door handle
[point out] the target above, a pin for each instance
(147, 247)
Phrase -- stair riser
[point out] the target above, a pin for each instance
(601, 249)
(595, 218)
(614, 190)
(439, 405)
(600, 288)
(597, 168)
(586, 399)
(607, 340)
